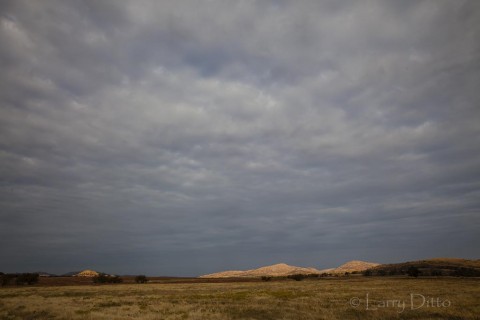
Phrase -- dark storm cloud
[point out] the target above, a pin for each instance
(171, 138)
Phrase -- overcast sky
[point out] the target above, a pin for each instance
(189, 137)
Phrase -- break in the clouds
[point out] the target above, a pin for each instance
(186, 137)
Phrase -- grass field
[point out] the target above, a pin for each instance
(388, 298)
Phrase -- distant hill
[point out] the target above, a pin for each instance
(87, 273)
(432, 267)
(352, 266)
(276, 270)
(282, 270)
(45, 274)
(70, 274)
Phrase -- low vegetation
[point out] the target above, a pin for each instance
(141, 279)
(353, 297)
(301, 276)
(18, 278)
(105, 278)
(429, 268)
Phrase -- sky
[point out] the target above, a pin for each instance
(183, 138)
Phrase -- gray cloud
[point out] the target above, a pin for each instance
(171, 138)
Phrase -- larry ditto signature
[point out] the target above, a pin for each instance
(415, 301)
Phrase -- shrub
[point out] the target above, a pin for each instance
(466, 272)
(392, 272)
(367, 273)
(27, 278)
(413, 271)
(101, 278)
(297, 277)
(104, 278)
(436, 273)
(6, 278)
(141, 279)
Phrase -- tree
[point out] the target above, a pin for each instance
(413, 271)
(466, 272)
(6, 278)
(266, 278)
(104, 278)
(367, 273)
(436, 273)
(297, 277)
(101, 278)
(27, 278)
(141, 279)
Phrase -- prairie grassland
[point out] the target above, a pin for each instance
(444, 298)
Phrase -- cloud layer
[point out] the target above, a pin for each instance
(171, 138)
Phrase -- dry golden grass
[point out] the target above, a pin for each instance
(309, 299)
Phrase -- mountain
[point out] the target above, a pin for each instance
(282, 269)
(276, 270)
(87, 273)
(352, 266)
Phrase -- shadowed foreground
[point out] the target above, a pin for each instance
(391, 298)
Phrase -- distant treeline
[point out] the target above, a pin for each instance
(33, 278)
(18, 278)
(105, 278)
(411, 271)
(414, 271)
